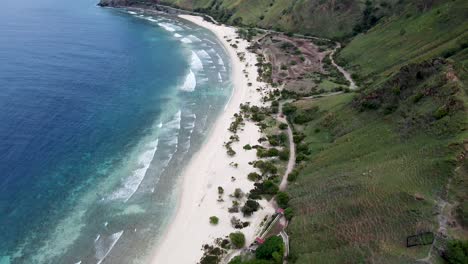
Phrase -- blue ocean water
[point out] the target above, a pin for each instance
(100, 109)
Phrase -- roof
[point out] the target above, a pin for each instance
(259, 240)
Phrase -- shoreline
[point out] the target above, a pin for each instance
(189, 229)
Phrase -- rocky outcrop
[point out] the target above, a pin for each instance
(116, 3)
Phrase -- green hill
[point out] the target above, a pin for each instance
(381, 161)
(325, 18)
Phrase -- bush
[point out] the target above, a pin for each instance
(247, 147)
(268, 249)
(250, 207)
(238, 193)
(220, 190)
(214, 220)
(266, 167)
(283, 126)
(293, 175)
(288, 213)
(253, 176)
(284, 155)
(289, 109)
(272, 152)
(457, 252)
(282, 199)
(237, 239)
(283, 138)
(303, 148)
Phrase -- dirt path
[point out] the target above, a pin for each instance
(346, 74)
(292, 148)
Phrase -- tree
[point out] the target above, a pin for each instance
(457, 252)
(284, 155)
(271, 249)
(282, 199)
(253, 176)
(237, 239)
(214, 220)
(250, 207)
(288, 213)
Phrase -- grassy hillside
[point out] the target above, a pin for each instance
(326, 18)
(412, 36)
(381, 160)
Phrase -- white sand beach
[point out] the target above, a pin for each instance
(210, 167)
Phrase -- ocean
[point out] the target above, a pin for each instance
(100, 110)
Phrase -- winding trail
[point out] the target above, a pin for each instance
(292, 148)
(346, 74)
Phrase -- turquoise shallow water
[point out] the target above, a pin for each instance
(100, 109)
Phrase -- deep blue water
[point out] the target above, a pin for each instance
(97, 115)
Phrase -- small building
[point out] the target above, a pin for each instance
(259, 240)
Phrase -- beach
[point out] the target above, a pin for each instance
(211, 167)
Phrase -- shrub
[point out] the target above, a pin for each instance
(220, 190)
(247, 147)
(266, 167)
(457, 252)
(271, 152)
(282, 199)
(298, 137)
(288, 213)
(238, 193)
(283, 138)
(284, 155)
(250, 207)
(268, 249)
(289, 109)
(283, 126)
(253, 176)
(440, 112)
(293, 175)
(214, 220)
(303, 148)
(237, 239)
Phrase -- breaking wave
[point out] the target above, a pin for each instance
(190, 82)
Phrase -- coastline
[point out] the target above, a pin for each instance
(210, 167)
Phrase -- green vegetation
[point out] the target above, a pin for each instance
(214, 220)
(272, 249)
(253, 176)
(237, 239)
(282, 199)
(437, 31)
(457, 252)
(289, 213)
(250, 207)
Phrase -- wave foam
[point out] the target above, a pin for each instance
(105, 245)
(220, 60)
(193, 38)
(196, 63)
(132, 183)
(186, 40)
(169, 27)
(177, 35)
(203, 54)
(190, 82)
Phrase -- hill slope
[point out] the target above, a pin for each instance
(325, 18)
(381, 161)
